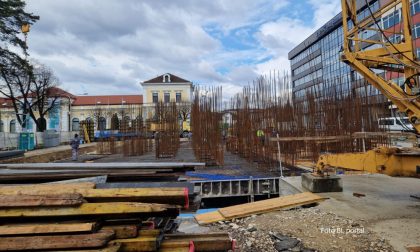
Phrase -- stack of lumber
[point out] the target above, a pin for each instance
(258, 207)
(81, 217)
(115, 172)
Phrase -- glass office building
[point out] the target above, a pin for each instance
(316, 66)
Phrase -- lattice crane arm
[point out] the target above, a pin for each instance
(395, 57)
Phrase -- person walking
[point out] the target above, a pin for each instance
(75, 147)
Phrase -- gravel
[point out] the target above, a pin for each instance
(302, 229)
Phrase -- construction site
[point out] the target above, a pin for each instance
(281, 166)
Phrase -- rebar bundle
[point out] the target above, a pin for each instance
(127, 136)
(324, 119)
(206, 119)
(167, 129)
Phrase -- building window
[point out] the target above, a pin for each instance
(415, 7)
(101, 123)
(12, 126)
(1, 126)
(178, 97)
(75, 124)
(395, 38)
(167, 97)
(391, 20)
(155, 97)
(418, 53)
(416, 31)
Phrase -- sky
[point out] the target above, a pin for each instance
(105, 47)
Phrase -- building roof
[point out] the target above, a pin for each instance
(108, 100)
(332, 24)
(5, 102)
(173, 79)
(55, 92)
(58, 92)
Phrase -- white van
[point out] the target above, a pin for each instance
(395, 124)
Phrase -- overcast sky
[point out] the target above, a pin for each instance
(109, 46)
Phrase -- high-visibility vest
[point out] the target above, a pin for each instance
(260, 133)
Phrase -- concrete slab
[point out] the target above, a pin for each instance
(317, 184)
(386, 209)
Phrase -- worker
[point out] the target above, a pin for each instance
(260, 135)
(74, 143)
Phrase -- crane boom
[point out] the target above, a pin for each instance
(392, 57)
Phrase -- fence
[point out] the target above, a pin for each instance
(10, 140)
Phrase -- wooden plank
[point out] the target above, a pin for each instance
(114, 208)
(150, 232)
(68, 199)
(203, 242)
(115, 247)
(190, 248)
(45, 188)
(177, 246)
(413, 248)
(165, 195)
(138, 244)
(123, 231)
(94, 240)
(15, 230)
(178, 196)
(258, 207)
(309, 138)
(269, 205)
(209, 217)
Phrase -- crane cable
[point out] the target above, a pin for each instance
(393, 56)
(417, 65)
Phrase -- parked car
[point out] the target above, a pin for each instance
(396, 124)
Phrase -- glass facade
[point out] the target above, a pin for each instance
(316, 66)
(329, 71)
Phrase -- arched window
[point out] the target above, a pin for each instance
(75, 124)
(102, 123)
(42, 125)
(13, 126)
(1, 126)
(166, 78)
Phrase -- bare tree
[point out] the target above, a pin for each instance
(14, 69)
(16, 78)
(44, 94)
(184, 110)
(31, 89)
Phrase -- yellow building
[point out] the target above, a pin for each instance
(167, 88)
(69, 110)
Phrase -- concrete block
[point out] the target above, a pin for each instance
(317, 184)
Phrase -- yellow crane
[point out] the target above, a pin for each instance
(390, 56)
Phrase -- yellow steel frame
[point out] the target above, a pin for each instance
(392, 57)
(364, 61)
(381, 160)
